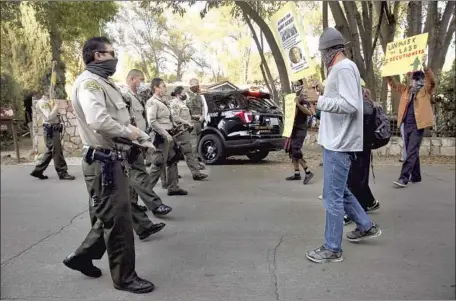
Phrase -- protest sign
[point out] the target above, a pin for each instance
(289, 34)
(289, 114)
(405, 55)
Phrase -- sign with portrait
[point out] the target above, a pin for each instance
(289, 35)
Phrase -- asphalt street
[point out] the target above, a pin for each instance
(241, 235)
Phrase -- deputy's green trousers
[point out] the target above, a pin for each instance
(159, 165)
(184, 141)
(141, 184)
(194, 137)
(54, 151)
(112, 230)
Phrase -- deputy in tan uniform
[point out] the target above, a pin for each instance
(140, 180)
(102, 116)
(181, 115)
(195, 105)
(51, 131)
(161, 125)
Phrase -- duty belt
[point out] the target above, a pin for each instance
(50, 128)
(107, 159)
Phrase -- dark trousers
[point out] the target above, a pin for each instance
(358, 179)
(112, 229)
(54, 151)
(411, 167)
(142, 184)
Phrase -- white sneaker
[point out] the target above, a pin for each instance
(320, 197)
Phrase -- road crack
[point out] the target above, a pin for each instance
(43, 239)
(272, 264)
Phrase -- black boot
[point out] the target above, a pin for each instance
(39, 175)
(151, 230)
(66, 176)
(84, 266)
(138, 286)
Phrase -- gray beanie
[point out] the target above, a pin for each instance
(331, 37)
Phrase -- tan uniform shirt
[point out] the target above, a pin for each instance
(43, 109)
(159, 116)
(180, 111)
(100, 110)
(136, 108)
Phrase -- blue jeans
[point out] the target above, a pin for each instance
(339, 200)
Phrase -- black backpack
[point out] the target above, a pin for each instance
(382, 129)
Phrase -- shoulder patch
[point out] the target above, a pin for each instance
(92, 85)
(43, 106)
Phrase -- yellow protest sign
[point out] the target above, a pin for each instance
(290, 37)
(405, 55)
(289, 114)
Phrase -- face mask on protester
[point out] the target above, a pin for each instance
(183, 97)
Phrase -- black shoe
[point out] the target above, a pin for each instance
(295, 177)
(177, 192)
(162, 210)
(309, 175)
(138, 286)
(358, 235)
(200, 177)
(179, 176)
(39, 175)
(347, 220)
(66, 176)
(86, 267)
(415, 181)
(151, 230)
(142, 208)
(400, 183)
(373, 207)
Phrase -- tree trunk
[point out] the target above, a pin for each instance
(179, 71)
(266, 79)
(351, 25)
(275, 50)
(263, 58)
(325, 25)
(56, 45)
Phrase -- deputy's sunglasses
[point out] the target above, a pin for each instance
(111, 52)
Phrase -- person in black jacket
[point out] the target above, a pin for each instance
(358, 177)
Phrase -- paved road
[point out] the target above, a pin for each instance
(239, 236)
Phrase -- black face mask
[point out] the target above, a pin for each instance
(183, 97)
(104, 69)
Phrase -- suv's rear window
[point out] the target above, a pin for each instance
(263, 105)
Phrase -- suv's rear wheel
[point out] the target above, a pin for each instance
(211, 149)
(258, 155)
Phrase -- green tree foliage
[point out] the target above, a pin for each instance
(25, 53)
(70, 22)
(11, 94)
(445, 106)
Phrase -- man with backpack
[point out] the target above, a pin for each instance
(415, 112)
(358, 177)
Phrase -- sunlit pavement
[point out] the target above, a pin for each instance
(242, 235)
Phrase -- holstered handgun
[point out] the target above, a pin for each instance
(107, 159)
